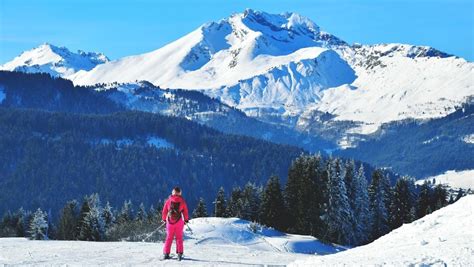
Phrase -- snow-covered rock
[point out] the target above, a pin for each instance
(454, 179)
(443, 238)
(57, 61)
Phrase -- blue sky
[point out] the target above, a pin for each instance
(120, 28)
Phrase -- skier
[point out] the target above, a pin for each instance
(175, 215)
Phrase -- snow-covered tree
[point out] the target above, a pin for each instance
(251, 202)
(152, 215)
(39, 226)
(108, 215)
(68, 221)
(200, 210)
(126, 213)
(350, 181)
(440, 197)
(402, 203)
(220, 204)
(378, 205)
(93, 223)
(304, 194)
(361, 210)
(141, 213)
(235, 203)
(339, 217)
(424, 200)
(273, 212)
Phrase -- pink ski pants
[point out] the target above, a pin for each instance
(174, 230)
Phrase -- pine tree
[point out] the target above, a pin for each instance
(459, 195)
(273, 212)
(339, 217)
(440, 196)
(108, 215)
(378, 205)
(21, 226)
(85, 209)
(39, 226)
(126, 213)
(235, 203)
(93, 224)
(349, 179)
(152, 215)
(141, 213)
(201, 210)
(220, 204)
(424, 200)
(402, 202)
(292, 193)
(68, 221)
(251, 202)
(451, 199)
(361, 208)
(304, 195)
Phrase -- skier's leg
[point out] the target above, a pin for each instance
(169, 239)
(179, 236)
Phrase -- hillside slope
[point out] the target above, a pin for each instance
(443, 238)
(213, 242)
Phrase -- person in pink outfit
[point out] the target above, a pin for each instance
(175, 214)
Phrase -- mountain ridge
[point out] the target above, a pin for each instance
(282, 68)
(57, 61)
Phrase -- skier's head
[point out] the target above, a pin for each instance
(176, 191)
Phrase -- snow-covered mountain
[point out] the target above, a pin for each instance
(57, 61)
(252, 60)
(443, 238)
(395, 82)
(282, 68)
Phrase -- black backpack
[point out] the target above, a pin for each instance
(174, 214)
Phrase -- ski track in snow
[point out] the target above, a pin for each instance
(215, 242)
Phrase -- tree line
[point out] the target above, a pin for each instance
(330, 199)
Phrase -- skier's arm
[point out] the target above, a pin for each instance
(185, 212)
(164, 212)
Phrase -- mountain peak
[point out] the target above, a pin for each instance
(55, 60)
(289, 21)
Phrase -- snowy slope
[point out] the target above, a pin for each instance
(396, 82)
(234, 231)
(443, 238)
(215, 241)
(454, 179)
(57, 61)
